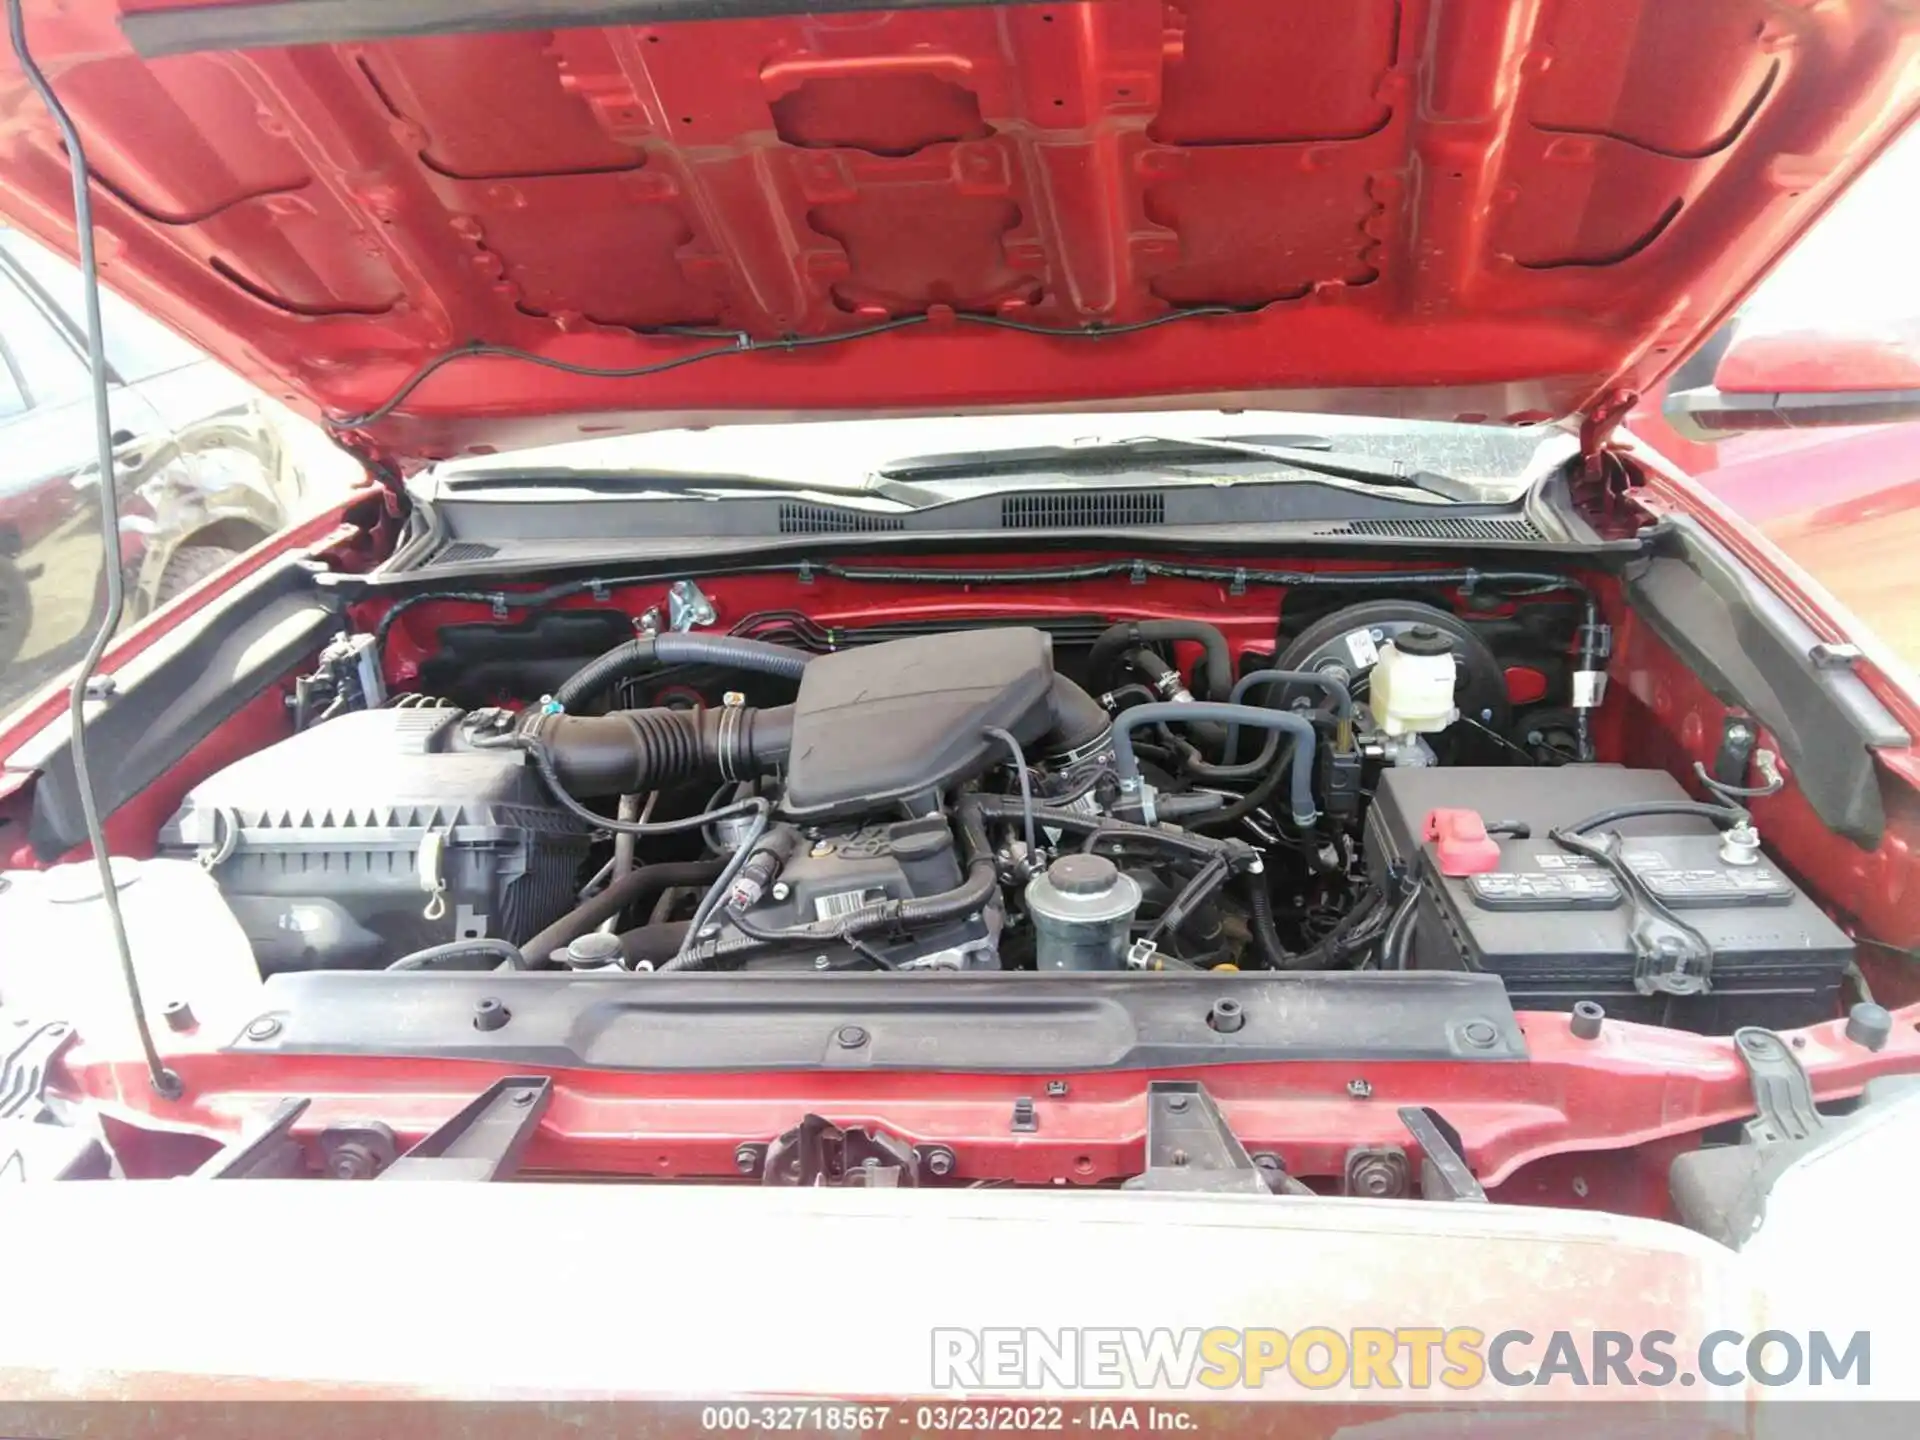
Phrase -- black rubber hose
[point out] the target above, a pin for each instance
(998, 808)
(1078, 720)
(1217, 667)
(648, 652)
(1254, 798)
(630, 752)
(1266, 935)
(1296, 725)
(636, 887)
(485, 953)
(653, 945)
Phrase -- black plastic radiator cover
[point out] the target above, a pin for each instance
(1008, 1024)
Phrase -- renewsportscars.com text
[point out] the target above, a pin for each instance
(1417, 1357)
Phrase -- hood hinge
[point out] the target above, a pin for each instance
(1599, 423)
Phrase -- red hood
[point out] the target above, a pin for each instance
(1497, 209)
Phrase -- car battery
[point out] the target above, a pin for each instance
(1559, 927)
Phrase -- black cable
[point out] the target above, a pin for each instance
(780, 937)
(1725, 816)
(1513, 582)
(1397, 939)
(1775, 783)
(165, 1082)
(1005, 737)
(743, 344)
(1209, 878)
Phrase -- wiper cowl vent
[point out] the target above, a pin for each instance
(799, 518)
(1074, 508)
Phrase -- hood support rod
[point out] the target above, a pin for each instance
(165, 1082)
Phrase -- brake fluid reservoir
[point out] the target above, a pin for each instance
(1082, 910)
(1411, 688)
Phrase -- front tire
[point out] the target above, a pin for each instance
(188, 566)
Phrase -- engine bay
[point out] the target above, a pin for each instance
(1404, 781)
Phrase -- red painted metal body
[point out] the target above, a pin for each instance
(1490, 208)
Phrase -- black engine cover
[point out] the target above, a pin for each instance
(896, 722)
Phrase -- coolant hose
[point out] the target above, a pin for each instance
(634, 888)
(1217, 668)
(1127, 765)
(632, 751)
(674, 647)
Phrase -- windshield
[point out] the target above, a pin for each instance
(850, 456)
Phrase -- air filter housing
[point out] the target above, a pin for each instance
(376, 834)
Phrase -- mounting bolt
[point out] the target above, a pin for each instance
(820, 962)
(178, 1015)
(939, 1162)
(1869, 1026)
(850, 1037)
(1056, 1087)
(1360, 1089)
(490, 1014)
(522, 1098)
(781, 890)
(1176, 1103)
(746, 1159)
(265, 1028)
(352, 1161)
(1588, 1017)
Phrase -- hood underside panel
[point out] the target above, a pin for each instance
(1498, 208)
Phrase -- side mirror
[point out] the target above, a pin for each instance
(1792, 380)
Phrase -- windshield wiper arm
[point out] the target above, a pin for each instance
(1363, 469)
(1312, 453)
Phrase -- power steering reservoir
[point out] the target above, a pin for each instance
(1082, 909)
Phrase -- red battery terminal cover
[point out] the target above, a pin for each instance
(1460, 842)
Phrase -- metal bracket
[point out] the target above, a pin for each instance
(269, 1153)
(1782, 1096)
(1738, 735)
(29, 1054)
(1443, 1172)
(485, 1139)
(1191, 1147)
(688, 606)
(1833, 655)
(818, 1152)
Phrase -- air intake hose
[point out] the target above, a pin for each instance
(629, 752)
(650, 652)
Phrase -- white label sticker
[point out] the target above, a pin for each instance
(1361, 647)
(845, 902)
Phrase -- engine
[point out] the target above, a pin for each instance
(963, 800)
